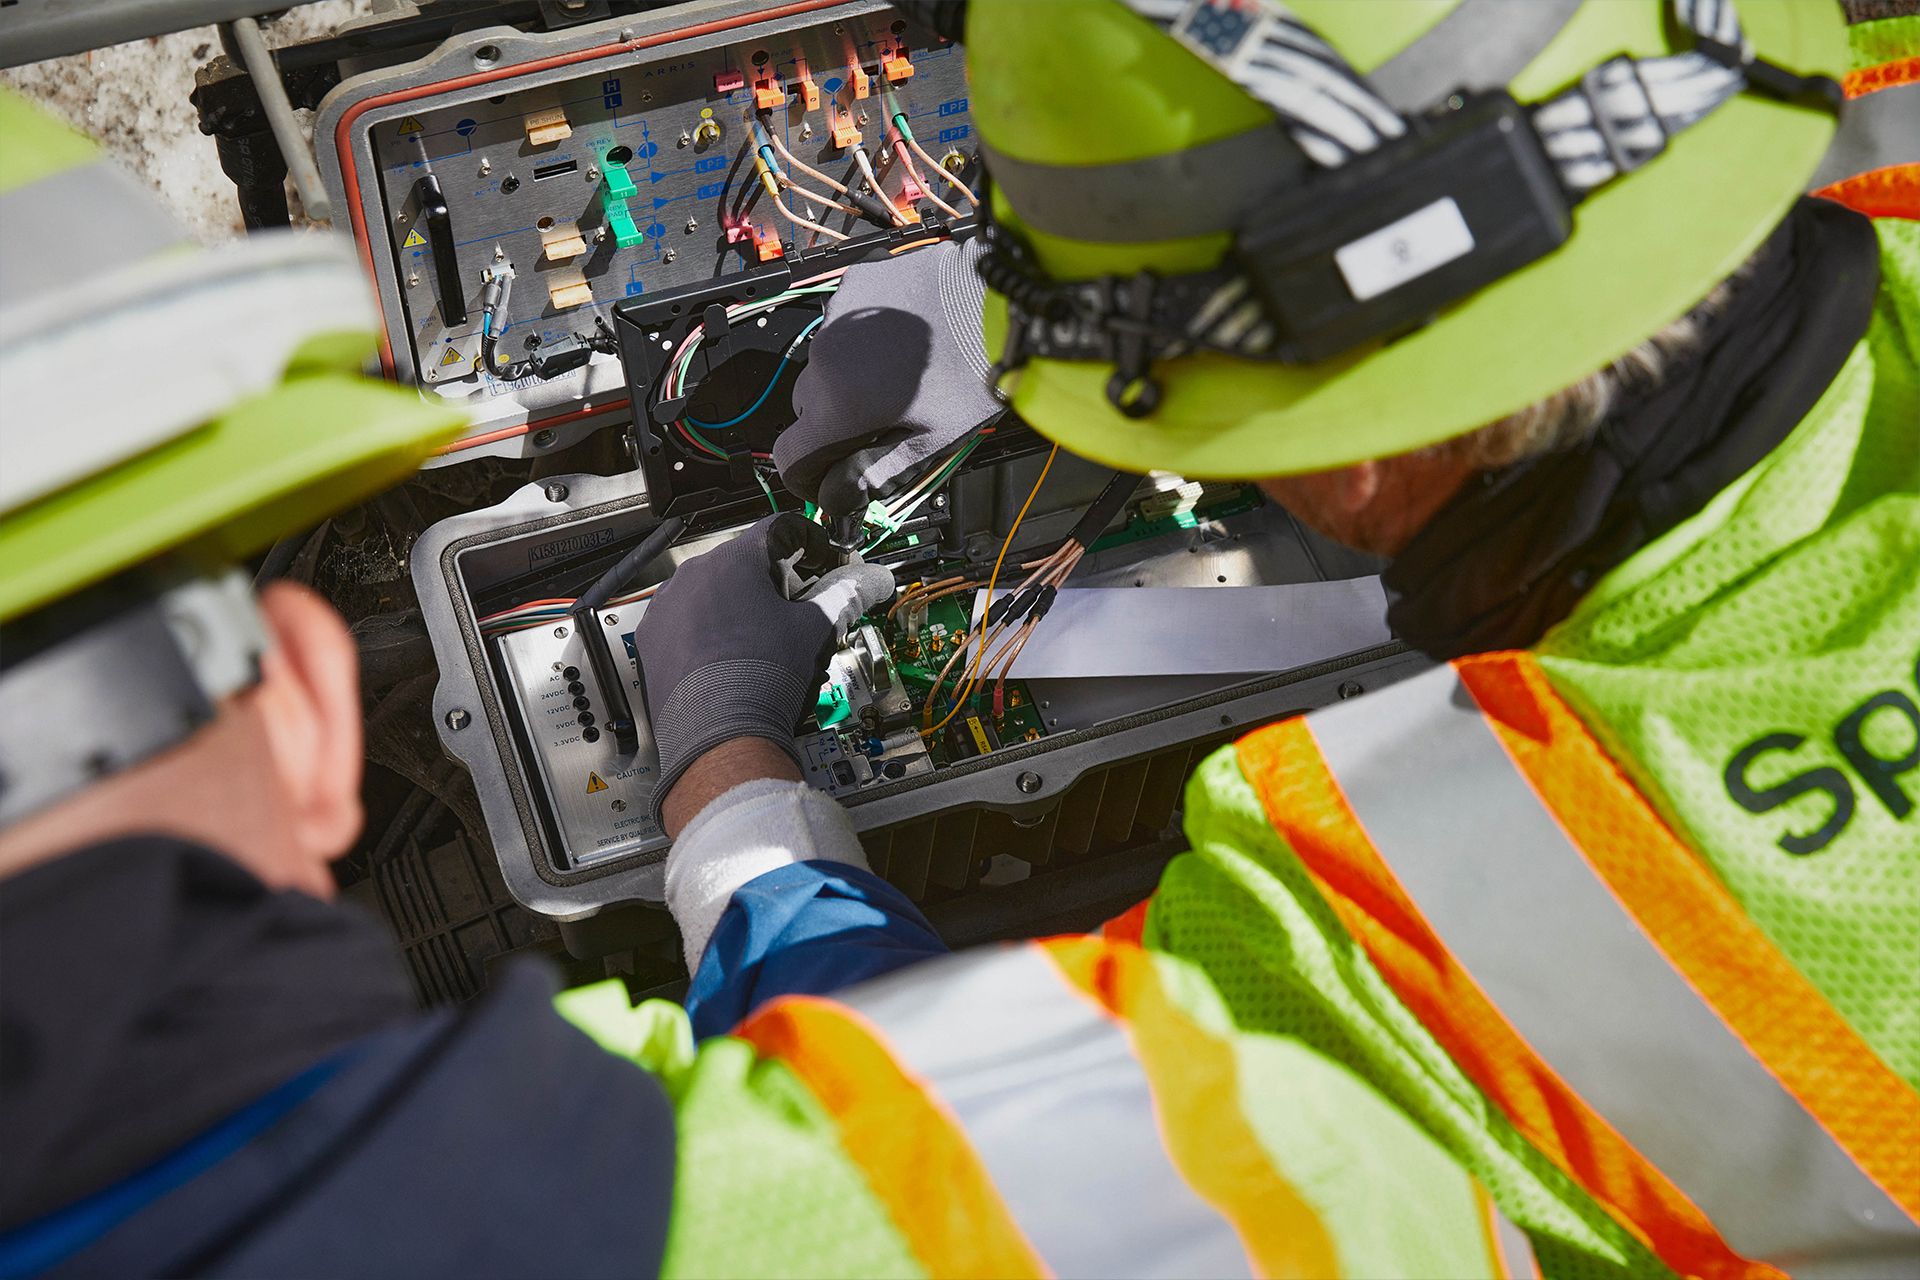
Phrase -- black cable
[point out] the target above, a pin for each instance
(1104, 508)
(613, 692)
(614, 580)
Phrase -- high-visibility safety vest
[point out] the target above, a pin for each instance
(1079, 1107)
(1642, 905)
(1874, 163)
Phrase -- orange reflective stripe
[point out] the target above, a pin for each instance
(1780, 1016)
(1873, 79)
(1196, 1093)
(1129, 926)
(917, 1160)
(1305, 805)
(1892, 192)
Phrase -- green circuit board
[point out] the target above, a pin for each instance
(918, 656)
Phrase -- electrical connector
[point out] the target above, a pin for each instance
(768, 94)
(616, 188)
(546, 127)
(568, 289)
(766, 244)
(729, 81)
(861, 82)
(562, 242)
(895, 67)
(809, 93)
(844, 134)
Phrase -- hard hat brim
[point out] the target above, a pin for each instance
(1644, 251)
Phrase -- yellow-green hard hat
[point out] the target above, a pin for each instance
(1088, 85)
(165, 401)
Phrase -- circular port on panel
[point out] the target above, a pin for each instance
(487, 55)
(760, 58)
(545, 224)
(572, 673)
(589, 734)
(620, 155)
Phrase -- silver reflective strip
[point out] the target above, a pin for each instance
(1876, 130)
(1516, 1259)
(97, 205)
(1053, 1099)
(1126, 202)
(1524, 914)
(1481, 44)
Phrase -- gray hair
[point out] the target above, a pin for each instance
(1566, 418)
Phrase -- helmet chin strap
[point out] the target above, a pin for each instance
(122, 687)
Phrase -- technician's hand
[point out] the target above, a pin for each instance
(897, 376)
(735, 645)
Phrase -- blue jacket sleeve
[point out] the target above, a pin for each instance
(811, 928)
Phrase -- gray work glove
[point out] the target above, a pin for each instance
(735, 645)
(897, 376)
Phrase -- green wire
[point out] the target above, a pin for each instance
(766, 489)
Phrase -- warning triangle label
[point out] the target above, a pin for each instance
(411, 125)
(414, 239)
(452, 356)
(595, 783)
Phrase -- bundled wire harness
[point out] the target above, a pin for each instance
(1010, 620)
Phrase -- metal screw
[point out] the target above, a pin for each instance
(669, 255)
(401, 217)
(413, 278)
(556, 492)
(486, 166)
(693, 224)
(1028, 782)
(559, 633)
(593, 173)
(499, 254)
(559, 666)
(626, 33)
(541, 439)
(431, 374)
(939, 500)
(861, 119)
(1351, 689)
(1226, 719)
(613, 619)
(619, 806)
(686, 139)
(600, 236)
(458, 719)
(646, 95)
(806, 131)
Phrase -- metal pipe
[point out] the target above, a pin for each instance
(294, 148)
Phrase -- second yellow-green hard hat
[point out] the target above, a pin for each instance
(1075, 93)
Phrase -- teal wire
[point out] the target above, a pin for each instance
(772, 382)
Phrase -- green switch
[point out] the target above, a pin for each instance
(615, 190)
(617, 184)
(831, 707)
(625, 233)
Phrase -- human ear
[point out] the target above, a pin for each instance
(1355, 488)
(310, 703)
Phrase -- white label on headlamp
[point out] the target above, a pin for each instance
(1423, 241)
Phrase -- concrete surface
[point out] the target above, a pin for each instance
(133, 98)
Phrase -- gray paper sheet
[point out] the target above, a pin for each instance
(1160, 631)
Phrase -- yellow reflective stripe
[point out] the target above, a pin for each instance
(1051, 1096)
(1196, 1090)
